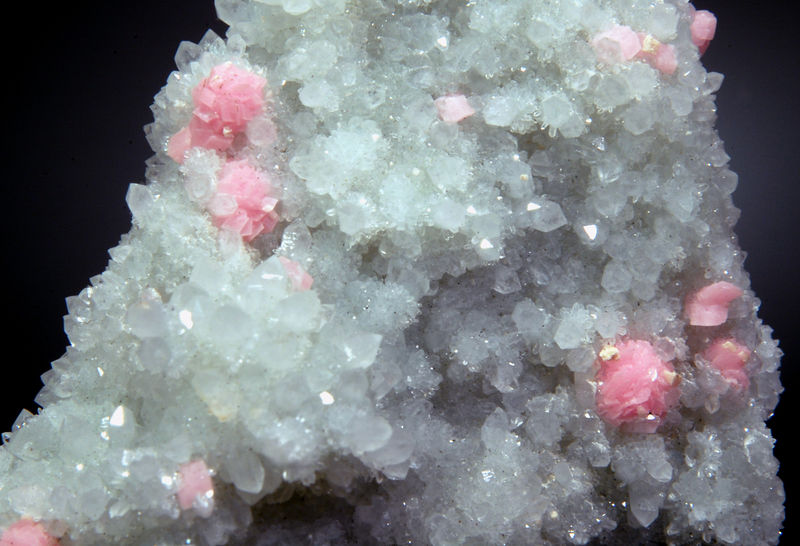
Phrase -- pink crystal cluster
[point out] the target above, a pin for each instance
(195, 488)
(708, 307)
(621, 43)
(636, 388)
(27, 532)
(243, 202)
(224, 104)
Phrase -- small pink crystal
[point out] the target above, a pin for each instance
(665, 59)
(617, 44)
(453, 108)
(635, 388)
(242, 202)
(729, 357)
(27, 532)
(194, 485)
(660, 56)
(298, 276)
(709, 305)
(703, 28)
(224, 103)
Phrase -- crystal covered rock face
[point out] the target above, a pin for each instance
(417, 272)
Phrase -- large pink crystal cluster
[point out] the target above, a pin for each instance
(636, 388)
(224, 104)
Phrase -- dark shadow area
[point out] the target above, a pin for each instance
(82, 82)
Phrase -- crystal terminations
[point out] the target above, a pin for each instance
(425, 272)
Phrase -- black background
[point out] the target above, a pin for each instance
(80, 81)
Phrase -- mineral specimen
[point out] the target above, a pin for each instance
(635, 388)
(417, 272)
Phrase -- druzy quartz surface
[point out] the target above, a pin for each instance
(432, 273)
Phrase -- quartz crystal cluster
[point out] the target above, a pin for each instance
(420, 272)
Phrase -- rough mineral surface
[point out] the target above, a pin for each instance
(423, 272)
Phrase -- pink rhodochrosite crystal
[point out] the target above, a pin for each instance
(660, 56)
(635, 387)
(703, 28)
(195, 488)
(243, 203)
(298, 276)
(27, 532)
(709, 305)
(453, 108)
(224, 103)
(665, 59)
(619, 43)
(622, 43)
(729, 357)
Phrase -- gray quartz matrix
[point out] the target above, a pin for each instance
(475, 260)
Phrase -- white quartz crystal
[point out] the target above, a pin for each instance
(436, 383)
